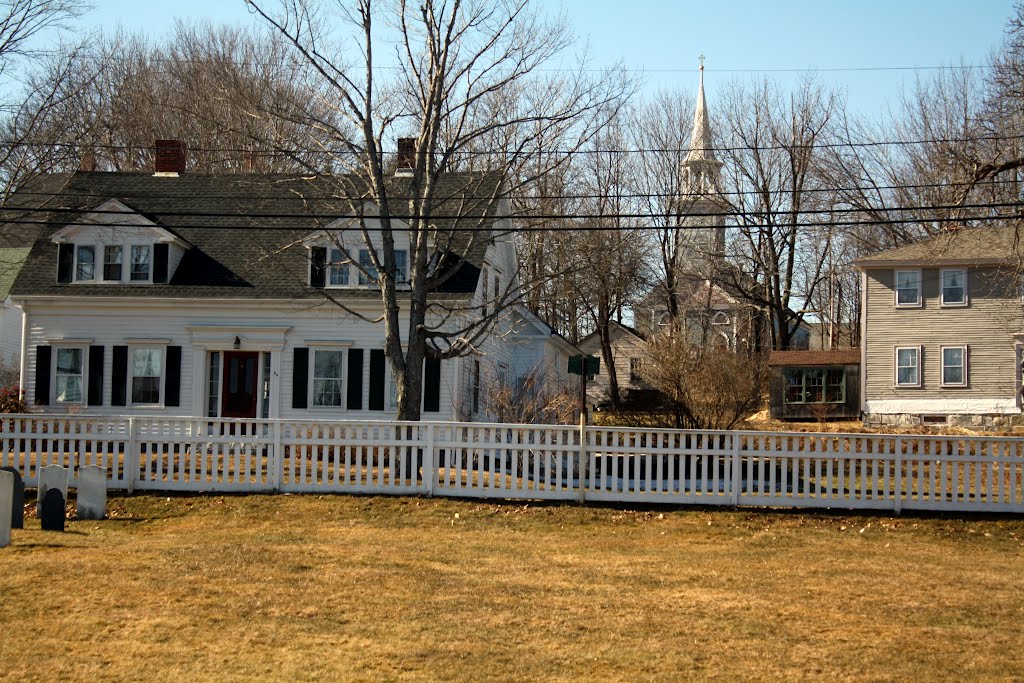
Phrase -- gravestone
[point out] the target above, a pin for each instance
(17, 500)
(92, 492)
(51, 477)
(6, 494)
(53, 510)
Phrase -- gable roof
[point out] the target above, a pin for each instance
(617, 331)
(246, 229)
(964, 246)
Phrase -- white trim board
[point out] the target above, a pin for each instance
(942, 406)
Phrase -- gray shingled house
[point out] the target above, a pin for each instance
(942, 330)
(226, 296)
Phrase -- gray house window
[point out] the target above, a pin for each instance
(954, 287)
(908, 366)
(908, 287)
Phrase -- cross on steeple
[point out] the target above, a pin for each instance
(701, 58)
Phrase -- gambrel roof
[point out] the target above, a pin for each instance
(246, 230)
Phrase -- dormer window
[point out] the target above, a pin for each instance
(113, 256)
(85, 262)
(94, 249)
(337, 269)
(140, 264)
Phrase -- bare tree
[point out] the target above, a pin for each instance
(445, 85)
(778, 198)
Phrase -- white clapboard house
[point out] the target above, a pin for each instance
(225, 296)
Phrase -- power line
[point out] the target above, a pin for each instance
(344, 152)
(394, 215)
(527, 196)
(490, 230)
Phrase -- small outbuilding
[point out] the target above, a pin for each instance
(815, 385)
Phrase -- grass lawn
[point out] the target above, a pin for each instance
(227, 588)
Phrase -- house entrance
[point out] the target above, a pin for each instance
(240, 382)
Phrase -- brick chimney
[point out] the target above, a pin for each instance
(170, 157)
(406, 156)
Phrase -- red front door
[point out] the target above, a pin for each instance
(241, 377)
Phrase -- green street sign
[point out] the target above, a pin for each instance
(578, 365)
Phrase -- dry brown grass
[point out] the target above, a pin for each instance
(355, 588)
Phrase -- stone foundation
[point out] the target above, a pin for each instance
(993, 422)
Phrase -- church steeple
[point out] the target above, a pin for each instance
(700, 167)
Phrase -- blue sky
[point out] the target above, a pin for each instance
(740, 38)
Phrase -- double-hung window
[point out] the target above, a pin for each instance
(140, 263)
(908, 366)
(366, 263)
(327, 378)
(337, 270)
(147, 372)
(954, 287)
(69, 375)
(85, 262)
(401, 266)
(113, 256)
(954, 366)
(908, 287)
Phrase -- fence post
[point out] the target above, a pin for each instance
(582, 466)
(131, 458)
(736, 465)
(276, 456)
(429, 461)
(897, 505)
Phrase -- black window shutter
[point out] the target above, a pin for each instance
(355, 379)
(42, 376)
(432, 385)
(172, 383)
(300, 378)
(318, 267)
(119, 376)
(96, 375)
(376, 380)
(160, 252)
(65, 262)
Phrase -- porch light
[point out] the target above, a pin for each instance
(238, 343)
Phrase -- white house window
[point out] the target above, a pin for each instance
(401, 266)
(70, 371)
(327, 378)
(908, 366)
(113, 256)
(392, 392)
(140, 263)
(337, 271)
(908, 287)
(954, 287)
(147, 369)
(954, 366)
(85, 262)
(366, 263)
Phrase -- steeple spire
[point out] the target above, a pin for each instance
(700, 140)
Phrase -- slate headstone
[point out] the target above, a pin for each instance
(17, 500)
(53, 510)
(51, 477)
(6, 494)
(92, 492)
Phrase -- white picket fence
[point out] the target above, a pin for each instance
(871, 471)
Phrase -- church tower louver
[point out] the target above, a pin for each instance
(702, 233)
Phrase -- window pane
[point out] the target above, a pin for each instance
(338, 270)
(907, 286)
(953, 287)
(140, 262)
(401, 266)
(327, 382)
(367, 265)
(952, 366)
(906, 366)
(112, 258)
(86, 263)
(147, 365)
(794, 386)
(68, 380)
